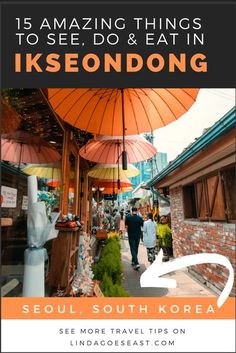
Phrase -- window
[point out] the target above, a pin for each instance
(212, 198)
(189, 201)
(229, 183)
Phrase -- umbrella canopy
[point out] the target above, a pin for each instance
(119, 111)
(109, 183)
(46, 171)
(116, 190)
(108, 149)
(55, 183)
(111, 171)
(23, 147)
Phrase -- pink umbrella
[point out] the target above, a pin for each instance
(23, 147)
(108, 149)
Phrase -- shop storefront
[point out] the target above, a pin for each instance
(65, 189)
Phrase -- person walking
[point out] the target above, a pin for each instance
(134, 224)
(149, 237)
(95, 219)
(107, 220)
(164, 237)
(122, 223)
(116, 219)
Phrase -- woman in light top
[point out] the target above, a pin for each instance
(150, 237)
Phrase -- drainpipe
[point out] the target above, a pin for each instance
(156, 195)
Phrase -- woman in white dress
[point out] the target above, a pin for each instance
(150, 237)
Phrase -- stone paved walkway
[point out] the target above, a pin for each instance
(187, 286)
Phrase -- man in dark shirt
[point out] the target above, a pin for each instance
(134, 224)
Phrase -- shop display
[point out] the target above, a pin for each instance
(69, 222)
(83, 277)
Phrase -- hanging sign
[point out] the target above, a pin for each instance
(9, 196)
(97, 290)
(24, 203)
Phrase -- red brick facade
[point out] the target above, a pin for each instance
(193, 236)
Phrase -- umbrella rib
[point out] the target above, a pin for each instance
(58, 90)
(108, 152)
(150, 149)
(64, 98)
(99, 131)
(184, 89)
(91, 155)
(160, 117)
(130, 99)
(113, 115)
(77, 100)
(87, 151)
(130, 153)
(100, 152)
(105, 150)
(91, 115)
(143, 108)
(140, 149)
(176, 98)
(168, 104)
(72, 106)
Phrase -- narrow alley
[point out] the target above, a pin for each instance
(187, 286)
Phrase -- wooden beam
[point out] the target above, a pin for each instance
(90, 205)
(65, 172)
(85, 201)
(77, 185)
(213, 199)
(59, 120)
(217, 152)
(186, 180)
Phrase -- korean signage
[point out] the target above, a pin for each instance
(24, 203)
(9, 196)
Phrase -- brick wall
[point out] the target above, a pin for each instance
(193, 236)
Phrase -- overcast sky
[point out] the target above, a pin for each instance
(210, 106)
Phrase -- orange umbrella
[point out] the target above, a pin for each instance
(55, 183)
(109, 183)
(102, 110)
(121, 111)
(116, 190)
(23, 147)
(108, 149)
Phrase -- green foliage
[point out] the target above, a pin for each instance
(50, 200)
(112, 247)
(106, 285)
(109, 270)
(164, 235)
(111, 265)
(117, 291)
